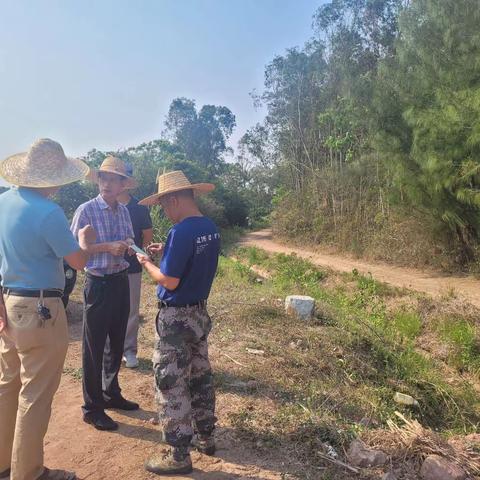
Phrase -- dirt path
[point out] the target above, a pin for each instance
(94, 455)
(71, 444)
(432, 283)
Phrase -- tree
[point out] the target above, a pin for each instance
(428, 115)
(201, 135)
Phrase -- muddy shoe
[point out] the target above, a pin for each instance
(57, 475)
(169, 461)
(204, 444)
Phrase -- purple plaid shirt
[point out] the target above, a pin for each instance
(111, 225)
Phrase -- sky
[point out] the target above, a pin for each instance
(101, 74)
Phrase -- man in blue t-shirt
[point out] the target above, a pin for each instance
(183, 376)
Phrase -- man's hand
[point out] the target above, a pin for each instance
(130, 242)
(155, 249)
(86, 236)
(143, 259)
(3, 316)
(117, 248)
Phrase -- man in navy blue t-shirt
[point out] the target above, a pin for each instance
(183, 376)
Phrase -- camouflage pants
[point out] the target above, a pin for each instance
(183, 376)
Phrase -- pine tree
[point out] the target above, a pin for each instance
(429, 113)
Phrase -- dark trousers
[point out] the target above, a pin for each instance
(105, 317)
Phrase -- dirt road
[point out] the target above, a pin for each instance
(432, 283)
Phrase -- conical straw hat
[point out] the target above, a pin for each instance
(175, 182)
(44, 165)
(113, 164)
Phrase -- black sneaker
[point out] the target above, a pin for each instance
(120, 403)
(101, 421)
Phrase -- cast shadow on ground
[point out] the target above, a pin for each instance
(230, 449)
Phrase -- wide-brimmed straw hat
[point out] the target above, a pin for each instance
(44, 165)
(113, 164)
(175, 182)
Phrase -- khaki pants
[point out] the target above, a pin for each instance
(32, 352)
(131, 337)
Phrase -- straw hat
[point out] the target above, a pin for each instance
(113, 164)
(174, 182)
(44, 165)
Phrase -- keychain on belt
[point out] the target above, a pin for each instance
(42, 310)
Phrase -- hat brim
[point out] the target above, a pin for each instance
(92, 176)
(198, 188)
(16, 173)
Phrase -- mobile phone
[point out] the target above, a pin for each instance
(138, 250)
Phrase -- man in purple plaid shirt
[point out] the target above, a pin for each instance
(106, 294)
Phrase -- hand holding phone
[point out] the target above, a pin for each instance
(138, 250)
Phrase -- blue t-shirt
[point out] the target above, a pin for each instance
(190, 254)
(34, 237)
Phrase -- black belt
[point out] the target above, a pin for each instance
(108, 276)
(200, 304)
(22, 292)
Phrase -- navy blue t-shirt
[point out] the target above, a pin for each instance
(190, 254)
(141, 220)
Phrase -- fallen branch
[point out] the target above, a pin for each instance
(233, 360)
(338, 462)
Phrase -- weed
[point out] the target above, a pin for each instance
(75, 373)
(463, 335)
(407, 323)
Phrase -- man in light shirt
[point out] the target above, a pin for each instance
(106, 294)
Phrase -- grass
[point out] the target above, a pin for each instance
(145, 365)
(349, 362)
(463, 336)
(407, 323)
(75, 373)
(319, 384)
(289, 269)
(230, 237)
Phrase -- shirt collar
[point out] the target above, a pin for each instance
(31, 192)
(102, 203)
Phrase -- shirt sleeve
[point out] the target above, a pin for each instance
(57, 234)
(79, 221)
(178, 252)
(146, 219)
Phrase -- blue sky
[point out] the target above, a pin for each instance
(101, 74)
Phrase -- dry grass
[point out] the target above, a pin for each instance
(410, 443)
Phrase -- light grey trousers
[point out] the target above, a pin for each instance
(131, 338)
